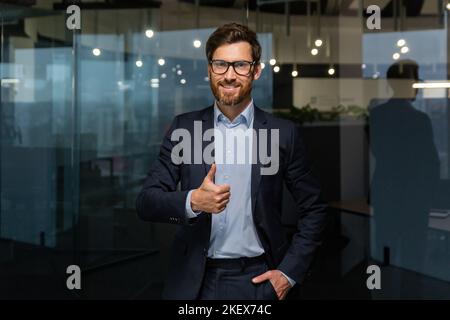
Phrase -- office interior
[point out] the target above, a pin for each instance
(83, 113)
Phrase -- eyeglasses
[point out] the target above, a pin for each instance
(242, 68)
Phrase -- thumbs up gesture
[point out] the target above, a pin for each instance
(210, 197)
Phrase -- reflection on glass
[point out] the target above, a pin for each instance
(406, 171)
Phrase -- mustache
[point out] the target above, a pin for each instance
(226, 83)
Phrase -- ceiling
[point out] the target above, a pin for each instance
(295, 7)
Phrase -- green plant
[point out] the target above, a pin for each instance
(310, 114)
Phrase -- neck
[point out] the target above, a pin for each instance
(232, 111)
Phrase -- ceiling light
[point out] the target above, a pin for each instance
(401, 43)
(197, 43)
(149, 33)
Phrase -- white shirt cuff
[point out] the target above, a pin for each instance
(189, 212)
(292, 282)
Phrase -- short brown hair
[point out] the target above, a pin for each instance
(231, 33)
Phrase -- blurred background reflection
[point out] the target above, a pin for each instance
(83, 113)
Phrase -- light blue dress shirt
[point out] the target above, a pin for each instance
(233, 232)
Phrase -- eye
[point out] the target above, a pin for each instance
(241, 64)
(220, 64)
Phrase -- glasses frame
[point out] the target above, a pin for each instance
(252, 64)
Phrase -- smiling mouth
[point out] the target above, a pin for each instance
(229, 88)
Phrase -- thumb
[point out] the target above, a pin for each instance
(211, 173)
(262, 277)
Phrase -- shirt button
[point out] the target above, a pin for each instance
(225, 176)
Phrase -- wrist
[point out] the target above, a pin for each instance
(194, 202)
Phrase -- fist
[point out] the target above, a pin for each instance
(210, 197)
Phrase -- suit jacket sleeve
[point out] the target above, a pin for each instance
(312, 211)
(159, 200)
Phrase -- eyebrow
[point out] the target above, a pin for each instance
(249, 60)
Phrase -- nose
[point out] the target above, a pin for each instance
(230, 75)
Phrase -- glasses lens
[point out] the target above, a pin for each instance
(219, 66)
(242, 67)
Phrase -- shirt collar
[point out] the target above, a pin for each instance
(246, 116)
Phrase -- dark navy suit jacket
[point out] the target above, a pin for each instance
(162, 199)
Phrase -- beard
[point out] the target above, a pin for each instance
(242, 91)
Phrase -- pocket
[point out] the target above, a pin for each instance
(271, 294)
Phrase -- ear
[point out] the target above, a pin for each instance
(257, 71)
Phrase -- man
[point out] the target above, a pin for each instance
(406, 171)
(230, 243)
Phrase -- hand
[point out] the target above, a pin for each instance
(210, 197)
(279, 282)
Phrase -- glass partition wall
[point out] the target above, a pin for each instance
(83, 113)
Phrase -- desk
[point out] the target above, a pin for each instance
(361, 207)
(356, 206)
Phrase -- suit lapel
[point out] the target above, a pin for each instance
(259, 123)
(207, 123)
